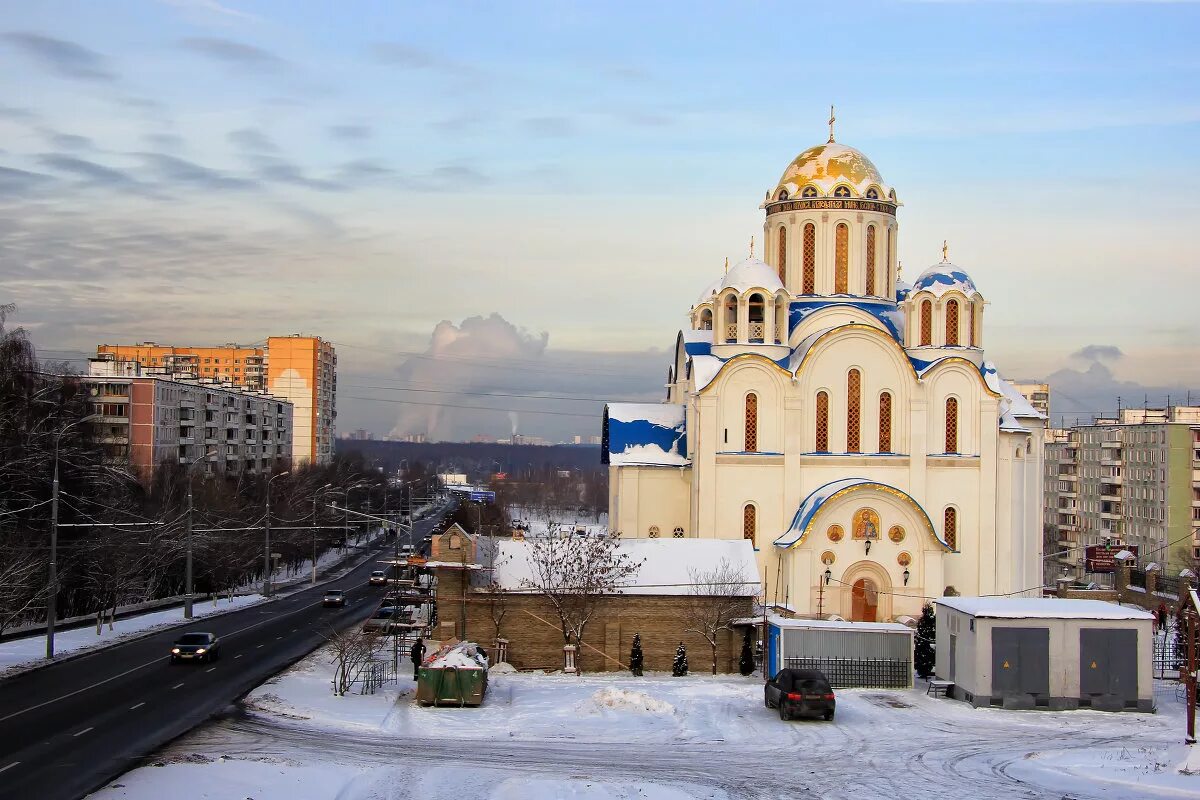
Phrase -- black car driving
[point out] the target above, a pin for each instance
(196, 647)
(800, 692)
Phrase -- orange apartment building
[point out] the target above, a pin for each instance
(299, 369)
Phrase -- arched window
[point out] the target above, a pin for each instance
(926, 323)
(822, 422)
(853, 412)
(885, 422)
(890, 287)
(841, 191)
(757, 309)
(950, 528)
(731, 318)
(706, 320)
(841, 259)
(783, 195)
(810, 259)
(971, 323)
(952, 322)
(870, 260)
(677, 533)
(809, 191)
(749, 523)
(872, 193)
(752, 423)
(782, 254)
(951, 425)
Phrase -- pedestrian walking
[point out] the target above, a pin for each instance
(1162, 617)
(418, 655)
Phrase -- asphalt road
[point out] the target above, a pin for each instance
(68, 728)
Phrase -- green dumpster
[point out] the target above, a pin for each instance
(453, 676)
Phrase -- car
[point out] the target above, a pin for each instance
(196, 647)
(378, 578)
(380, 621)
(800, 692)
(334, 598)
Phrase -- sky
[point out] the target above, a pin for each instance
(513, 205)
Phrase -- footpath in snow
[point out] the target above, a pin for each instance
(615, 737)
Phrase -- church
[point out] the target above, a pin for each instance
(846, 423)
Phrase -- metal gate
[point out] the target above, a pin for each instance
(1108, 672)
(1021, 666)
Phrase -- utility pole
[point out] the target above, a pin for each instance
(267, 539)
(187, 574)
(52, 589)
(1192, 621)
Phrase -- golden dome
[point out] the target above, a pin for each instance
(828, 167)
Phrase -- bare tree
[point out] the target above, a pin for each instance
(575, 572)
(715, 598)
(351, 649)
(21, 584)
(496, 596)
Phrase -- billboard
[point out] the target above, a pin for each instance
(1100, 557)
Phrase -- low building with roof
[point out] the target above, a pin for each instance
(846, 423)
(1020, 652)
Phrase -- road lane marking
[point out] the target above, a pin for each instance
(82, 732)
(176, 686)
(139, 705)
(210, 669)
(260, 647)
(239, 655)
(277, 638)
(9, 766)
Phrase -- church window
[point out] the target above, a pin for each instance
(706, 320)
(890, 286)
(872, 193)
(950, 528)
(926, 323)
(870, 260)
(841, 191)
(841, 266)
(853, 412)
(782, 254)
(749, 522)
(810, 259)
(951, 425)
(752, 423)
(809, 191)
(731, 318)
(822, 422)
(952, 322)
(653, 533)
(885, 422)
(677, 533)
(758, 330)
(971, 323)
(783, 194)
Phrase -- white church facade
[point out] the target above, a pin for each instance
(846, 423)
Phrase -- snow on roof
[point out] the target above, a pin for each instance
(941, 278)
(704, 369)
(707, 294)
(903, 288)
(1041, 608)
(753, 273)
(885, 311)
(665, 567)
(651, 434)
(812, 504)
(841, 625)
(697, 343)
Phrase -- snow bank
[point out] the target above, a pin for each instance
(617, 699)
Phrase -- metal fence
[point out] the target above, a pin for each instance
(1137, 578)
(847, 673)
(1168, 585)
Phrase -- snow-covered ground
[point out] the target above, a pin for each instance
(540, 520)
(615, 737)
(23, 652)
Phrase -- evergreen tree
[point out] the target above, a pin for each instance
(925, 639)
(679, 667)
(635, 656)
(746, 661)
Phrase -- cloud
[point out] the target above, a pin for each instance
(458, 175)
(173, 169)
(1098, 352)
(351, 133)
(363, 169)
(90, 171)
(252, 140)
(279, 170)
(403, 55)
(69, 141)
(18, 181)
(210, 7)
(16, 114)
(64, 58)
(164, 141)
(235, 54)
(459, 123)
(550, 127)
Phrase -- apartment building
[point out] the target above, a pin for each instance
(1038, 395)
(148, 417)
(301, 369)
(1133, 479)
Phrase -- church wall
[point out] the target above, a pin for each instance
(826, 223)
(641, 497)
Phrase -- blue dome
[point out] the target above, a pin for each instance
(943, 277)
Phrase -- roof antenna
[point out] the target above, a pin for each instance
(832, 119)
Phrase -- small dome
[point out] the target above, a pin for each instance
(827, 166)
(941, 278)
(751, 274)
(903, 288)
(708, 293)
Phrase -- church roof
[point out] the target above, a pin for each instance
(885, 311)
(752, 273)
(1013, 405)
(941, 278)
(812, 504)
(827, 166)
(647, 434)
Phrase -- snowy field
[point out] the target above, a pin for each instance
(540, 520)
(615, 737)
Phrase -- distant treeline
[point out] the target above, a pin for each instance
(478, 460)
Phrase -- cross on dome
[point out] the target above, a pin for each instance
(832, 119)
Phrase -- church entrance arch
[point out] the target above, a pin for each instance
(867, 595)
(864, 600)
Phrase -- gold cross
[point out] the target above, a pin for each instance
(945, 251)
(726, 265)
(832, 119)
(752, 247)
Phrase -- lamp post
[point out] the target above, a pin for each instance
(316, 519)
(267, 539)
(52, 577)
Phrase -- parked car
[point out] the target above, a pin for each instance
(800, 692)
(196, 647)
(378, 578)
(334, 598)
(381, 621)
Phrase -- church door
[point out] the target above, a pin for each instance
(864, 600)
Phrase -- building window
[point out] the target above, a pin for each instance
(951, 425)
(841, 191)
(971, 323)
(950, 528)
(885, 422)
(731, 318)
(822, 422)
(706, 320)
(887, 266)
(653, 532)
(952, 322)
(853, 411)
(809, 191)
(751, 423)
(926, 323)
(870, 260)
(757, 314)
(810, 259)
(872, 193)
(749, 523)
(841, 259)
(782, 254)
(677, 533)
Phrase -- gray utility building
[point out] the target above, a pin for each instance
(1046, 653)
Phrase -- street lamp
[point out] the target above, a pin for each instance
(52, 584)
(828, 575)
(868, 546)
(267, 539)
(316, 519)
(906, 576)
